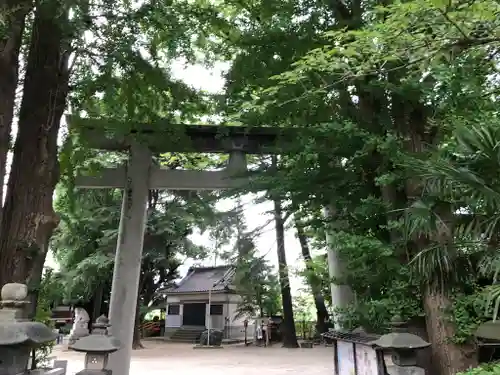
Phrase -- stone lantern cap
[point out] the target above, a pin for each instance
(96, 344)
(489, 330)
(101, 323)
(14, 292)
(103, 320)
(31, 333)
(398, 339)
(13, 329)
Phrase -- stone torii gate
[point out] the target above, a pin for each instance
(141, 174)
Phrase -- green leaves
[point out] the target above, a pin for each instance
(255, 279)
(397, 101)
(486, 369)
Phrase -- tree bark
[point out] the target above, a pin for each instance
(447, 357)
(98, 296)
(10, 44)
(35, 279)
(28, 208)
(136, 342)
(313, 280)
(450, 359)
(289, 334)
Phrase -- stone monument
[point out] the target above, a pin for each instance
(80, 325)
(18, 337)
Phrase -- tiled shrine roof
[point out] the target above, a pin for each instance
(201, 279)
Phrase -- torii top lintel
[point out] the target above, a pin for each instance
(162, 136)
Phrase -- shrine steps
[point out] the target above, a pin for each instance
(187, 334)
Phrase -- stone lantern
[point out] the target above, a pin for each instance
(404, 347)
(98, 347)
(101, 325)
(18, 336)
(488, 341)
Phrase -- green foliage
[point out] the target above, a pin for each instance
(255, 280)
(257, 284)
(382, 285)
(318, 266)
(466, 313)
(303, 306)
(82, 244)
(85, 241)
(487, 369)
(401, 114)
(304, 316)
(47, 292)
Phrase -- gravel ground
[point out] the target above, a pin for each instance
(159, 357)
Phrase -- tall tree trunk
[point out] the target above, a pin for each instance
(35, 171)
(98, 296)
(448, 358)
(313, 280)
(136, 342)
(289, 334)
(15, 12)
(35, 279)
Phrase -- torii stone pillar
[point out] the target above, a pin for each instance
(341, 294)
(128, 257)
(137, 178)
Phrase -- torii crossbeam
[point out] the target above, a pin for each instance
(140, 175)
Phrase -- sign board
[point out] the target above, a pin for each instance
(354, 353)
(345, 352)
(366, 360)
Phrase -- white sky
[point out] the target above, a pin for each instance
(255, 214)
